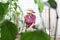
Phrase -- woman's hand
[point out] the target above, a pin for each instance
(32, 25)
(20, 30)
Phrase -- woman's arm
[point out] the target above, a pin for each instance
(34, 20)
(32, 25)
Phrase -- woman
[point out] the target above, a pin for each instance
(30, 19)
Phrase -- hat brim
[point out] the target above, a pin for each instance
(34, 12)
(31, 11)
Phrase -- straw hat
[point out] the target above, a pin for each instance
(30, 11)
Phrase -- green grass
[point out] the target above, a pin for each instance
(35, 35)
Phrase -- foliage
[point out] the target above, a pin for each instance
(3, 10)
(52, 3)
(40, 8)
(8, 30)
(35, 35)
(35, 1)
(40, 5)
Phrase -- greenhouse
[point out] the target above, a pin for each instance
(29, 19)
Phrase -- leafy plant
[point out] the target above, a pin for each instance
(35, 35)
(3, 10)
(35, 1)
(52, 4)
(8, 30)
(40, 5)
(40, 9)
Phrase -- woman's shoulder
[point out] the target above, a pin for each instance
(34, 15)
(25, 16)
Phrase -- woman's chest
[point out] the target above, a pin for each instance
(29, 20)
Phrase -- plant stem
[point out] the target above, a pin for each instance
(56, 26)
(43, 24)
(49, 21)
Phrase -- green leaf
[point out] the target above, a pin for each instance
(53, 4)
(40, 6)
(8, 30)
(35, 1)
(15, 5)
(3, 10)
(35, 35)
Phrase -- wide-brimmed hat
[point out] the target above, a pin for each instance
(30, 11)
